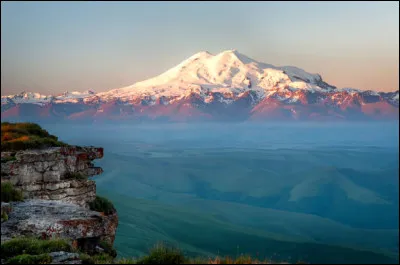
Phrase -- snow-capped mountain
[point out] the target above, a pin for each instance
(27, 97)
(228, 72)
(225, 86)
(73, 97)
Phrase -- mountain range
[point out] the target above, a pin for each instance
(228, 86)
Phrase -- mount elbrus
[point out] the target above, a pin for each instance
(228, 86)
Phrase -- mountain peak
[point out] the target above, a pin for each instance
(231, 51)
(202, 54)
(203, 81)
(228, 71)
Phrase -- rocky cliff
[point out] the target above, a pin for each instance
(57, 173)
(55, 219)
(57, 197)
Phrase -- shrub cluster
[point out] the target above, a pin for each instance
(101, 204)
(21, 136)
(9, 193)
(75, 175)
(25, 249)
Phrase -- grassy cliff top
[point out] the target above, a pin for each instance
(21, 136)
(37, 251)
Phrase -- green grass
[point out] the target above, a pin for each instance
(21, 136)
(96, 259)
(30, 259)
(32, 246)
(9, 193)
(36, 251)
(163, 255)
(86, 259)
(108, 248)
(4, 216)
(126, 261)
(101, 204)
(75, 175)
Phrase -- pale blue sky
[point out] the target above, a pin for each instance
(50, 47)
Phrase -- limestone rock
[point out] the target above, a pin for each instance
(56, 219)
(57, 173)
(5, 208)
(61, 257)
(57, 194)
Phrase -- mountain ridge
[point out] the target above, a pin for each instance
(212, 87)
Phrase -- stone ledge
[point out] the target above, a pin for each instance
(55, 219)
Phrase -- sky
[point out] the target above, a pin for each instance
(52, 47)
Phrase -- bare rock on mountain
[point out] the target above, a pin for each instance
(56, 219)
(58, 173)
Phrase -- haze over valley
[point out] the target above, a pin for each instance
(212, 187)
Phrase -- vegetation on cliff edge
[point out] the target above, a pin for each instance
(4, 217)
(101, 204)
(9, 193)
(30, 259)
(160, 254)
(75, 175)
(32, 246)
(36, 251)
(21, 136)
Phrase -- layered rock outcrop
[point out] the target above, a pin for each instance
(57, 195)
(56, 219)
(58, 173)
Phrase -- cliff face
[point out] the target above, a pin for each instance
(56, 195)
(56, 219)
(57, 173)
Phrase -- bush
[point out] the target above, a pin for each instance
(126, 261)
(32, 246)
(20, 136)
(30, 142)
(101, 204)
(108, 248)
(24, 128)
(96, 259)
(163, 255)
(243, 260)
(30, 259)
(75, 175)
(102, 259)
(9, 193)
(86, 259)
(4, 216)
(198, 260)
